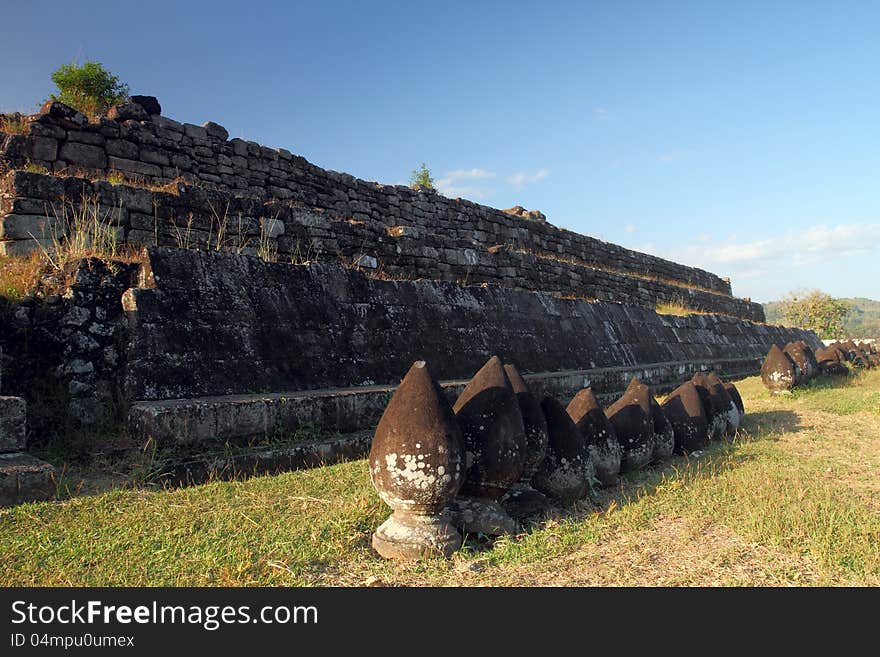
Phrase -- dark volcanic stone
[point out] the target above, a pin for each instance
(798, 354)
(831, 360)
(631, 418)
(62, 114)
(737, 399)
(494, 436)
(416, 465)
(725, 401)
(534, 423)
(811, 357)
(778, 372)
(128, 112)
(591, 421)
(664, 435)
(149, 103)
(523, 501)
(567, 469)
(684, 410)
(716, 410)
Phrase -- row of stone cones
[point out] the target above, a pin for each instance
(499, 456)
(795, 364)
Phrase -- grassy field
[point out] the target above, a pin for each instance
(793, 500)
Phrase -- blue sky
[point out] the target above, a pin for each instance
(741, 137)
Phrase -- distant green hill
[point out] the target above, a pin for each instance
(863, 320)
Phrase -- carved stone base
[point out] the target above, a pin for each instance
(522, 501)
(406, 536)
(475, 515)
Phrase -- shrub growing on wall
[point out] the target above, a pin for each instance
(421, 177)
(89, 88)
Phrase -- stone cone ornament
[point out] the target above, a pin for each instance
(716, 407)
(831, 361)
(810, 355)
(794, 351)
(861, 358)
(778, 372)
(591, 421)
(417, 467)
(664, 435)
(522, 500)
(495, 450)
(631, 418)
(684, 410)
(716, 385)
(850, 348)
(567, 469)
(737, 400)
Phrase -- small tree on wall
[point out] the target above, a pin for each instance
(816, 310)
(89, 88)
(421, 177)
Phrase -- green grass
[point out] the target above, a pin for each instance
(793, 500)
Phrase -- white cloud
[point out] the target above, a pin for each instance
(793, 248)
(521, 178)
(600, 112)
(630, 228)
(455, 183)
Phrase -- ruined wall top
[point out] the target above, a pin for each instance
(143, 146)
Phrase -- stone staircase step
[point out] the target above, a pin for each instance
(25, 478)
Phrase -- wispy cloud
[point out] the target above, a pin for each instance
(600, 113)
(460, 183)
(522, 178)
(630, 228)
(794, 248)
(671, 156)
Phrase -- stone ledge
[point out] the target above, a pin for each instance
(206, 420)
(24, 478)
(308, 454)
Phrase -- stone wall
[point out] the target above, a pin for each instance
(67, 347)
(270, 186)
(38, 206)
(214, 323)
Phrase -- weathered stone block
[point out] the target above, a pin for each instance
(153, 156)
(195, 131)
(28, 226)
(23, 247)
(24, 478)
(135, 199)
(133, 166)
(122, 148)
(13, 421)
(85, 137)
(42, 148)
(85, 155)
(216, 130)
(149, 103)
(128, 112)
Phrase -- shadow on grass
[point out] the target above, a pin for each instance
(771, 421)
(828, 382)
